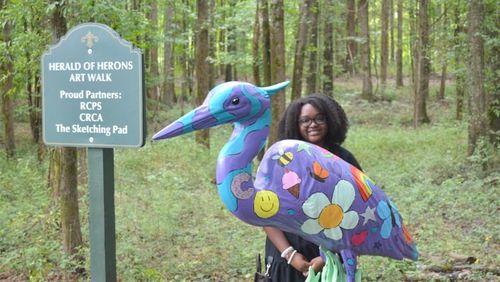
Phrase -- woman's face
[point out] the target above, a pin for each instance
(312, 125)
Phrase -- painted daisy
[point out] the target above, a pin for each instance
(331, 217)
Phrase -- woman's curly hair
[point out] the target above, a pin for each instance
(336, 119)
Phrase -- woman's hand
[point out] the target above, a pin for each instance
(300, 263)
(317, 264)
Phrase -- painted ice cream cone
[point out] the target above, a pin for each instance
(295, 190)
(291, 183)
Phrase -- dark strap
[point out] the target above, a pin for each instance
(258, 261)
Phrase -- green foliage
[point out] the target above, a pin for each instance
(171, 225)
(130, 24)
(28, 40)
(30, 243)
(485, 156)
(442, 196)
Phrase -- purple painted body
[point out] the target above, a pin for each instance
(299, 187)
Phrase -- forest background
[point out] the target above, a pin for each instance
(418, 79)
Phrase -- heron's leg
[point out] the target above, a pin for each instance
(350, 263)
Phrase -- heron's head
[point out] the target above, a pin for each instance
(228, 102)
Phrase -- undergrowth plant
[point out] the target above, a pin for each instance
(171, 225)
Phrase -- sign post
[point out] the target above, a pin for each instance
(92, 96)
(102, 214)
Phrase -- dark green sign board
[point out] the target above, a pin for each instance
(92, 96)
(92, 90)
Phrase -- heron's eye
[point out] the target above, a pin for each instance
(235, 101)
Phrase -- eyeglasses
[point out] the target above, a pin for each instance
(307, 121)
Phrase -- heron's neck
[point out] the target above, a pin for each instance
(236, 156)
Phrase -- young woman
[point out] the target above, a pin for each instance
(320, 120)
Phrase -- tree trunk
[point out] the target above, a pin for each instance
(300, 48)
(328, 74)
(367, 92)
(8, 115)
(70, 215)
(228, 68)
(67, 164)
(278, 74)
(230, 46)
(420, 110)
(477, 102)
(255, 47)
(391, 29)
(413, 44)
(493, 64)
(399, 52)
(339, 37)
(493, 115)
(34, 102)
(168, 65)
(384, 44)
(351, 34)
(34, 99)
(202, 87)
(135, 5)
(211, 46)
(54, 174)
(153, 91)
(37, 116)
(460, 93)
(442, 85)
(459, 67)
(266, 42)
(35, 111)
(191, 54)
(185, 60)
(7, 71)
(313, 50)
(444, 56)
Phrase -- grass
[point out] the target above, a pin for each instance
(171, 225)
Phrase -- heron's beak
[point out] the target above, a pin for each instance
(199, 118)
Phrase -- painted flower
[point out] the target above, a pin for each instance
(331, 217)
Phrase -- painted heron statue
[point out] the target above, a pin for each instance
(299, 187)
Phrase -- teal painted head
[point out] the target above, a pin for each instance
(226, 103)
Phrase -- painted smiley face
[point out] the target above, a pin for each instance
(266, 204)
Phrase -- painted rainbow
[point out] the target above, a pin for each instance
(363, 182)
